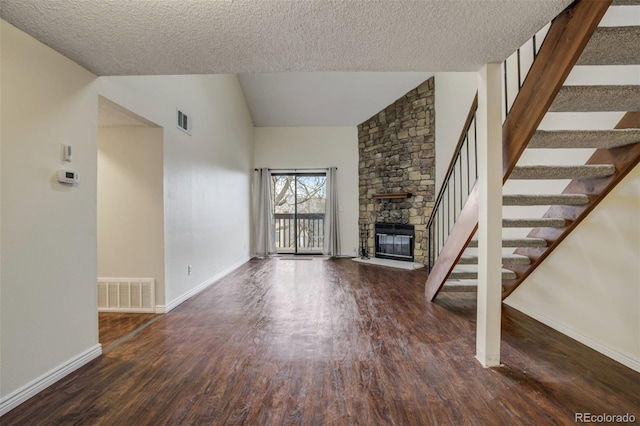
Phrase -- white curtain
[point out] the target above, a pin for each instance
(331, 225)
(264, 224)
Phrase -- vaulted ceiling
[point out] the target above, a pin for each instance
(125, 37)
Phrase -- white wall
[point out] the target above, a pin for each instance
(318, 147)
(130, 204)
(206, 175)
(454, 92)
(589, 287)
(49, 297)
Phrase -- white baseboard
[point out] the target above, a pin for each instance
(623, 359)
(189, 294)
(22, 394)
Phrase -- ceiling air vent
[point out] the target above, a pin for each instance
(184, 122)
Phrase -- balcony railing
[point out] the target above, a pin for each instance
(309, 234)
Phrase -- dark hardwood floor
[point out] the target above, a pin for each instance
(333, 343)
(113, 326)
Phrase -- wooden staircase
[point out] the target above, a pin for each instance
(573, 38)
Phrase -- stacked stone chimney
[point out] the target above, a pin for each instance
(397, 155)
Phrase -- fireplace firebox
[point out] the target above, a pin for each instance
(394, 241)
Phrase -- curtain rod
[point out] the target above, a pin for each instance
(296, 170)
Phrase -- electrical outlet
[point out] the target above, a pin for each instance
(189, 270)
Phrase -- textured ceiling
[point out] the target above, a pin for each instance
(136, 37)
(298, 38)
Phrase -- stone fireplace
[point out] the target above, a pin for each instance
(396, 167)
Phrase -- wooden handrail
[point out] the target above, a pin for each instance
(567, 37)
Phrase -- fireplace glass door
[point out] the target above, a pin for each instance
(299, 209)
(394, 245)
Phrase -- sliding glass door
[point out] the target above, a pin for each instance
(299, 206)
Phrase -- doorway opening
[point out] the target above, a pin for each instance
(299, 211)
(130, 222)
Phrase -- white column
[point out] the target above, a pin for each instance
(489, 140)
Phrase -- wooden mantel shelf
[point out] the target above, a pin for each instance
(393, 195)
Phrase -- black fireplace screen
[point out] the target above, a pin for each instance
(398, 245)
(394, 241)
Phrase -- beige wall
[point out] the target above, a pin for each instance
(49, 297)
(207, 174)
(454, 92)
(589, 287)
(318, 147)
(130, 204)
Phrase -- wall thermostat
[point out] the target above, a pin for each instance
(67, 176)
